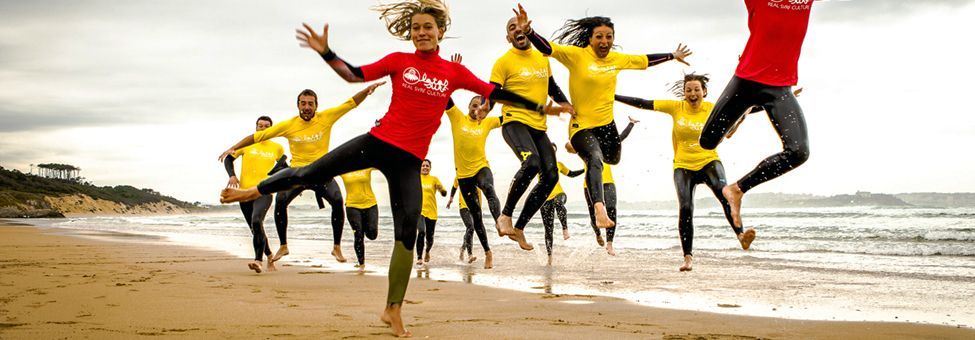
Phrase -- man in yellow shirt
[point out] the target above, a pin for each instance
(473, 170)
(258, 160)
(362, 211)
(431, 186)
(525, 71)
(308, 136)
(593, 68)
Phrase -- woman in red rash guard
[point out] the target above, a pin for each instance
(422, 84)
(766, 72)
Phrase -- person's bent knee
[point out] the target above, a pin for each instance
(798, 155)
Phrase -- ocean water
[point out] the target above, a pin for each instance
(852, 263)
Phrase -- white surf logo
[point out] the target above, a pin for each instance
(412, 76)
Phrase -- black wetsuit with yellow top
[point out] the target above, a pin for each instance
(428, 212)
(609, 194)
(258, 160)
(555, 205)
(474, 174)
(361, 209)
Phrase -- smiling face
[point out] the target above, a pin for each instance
(515, 36)
(425, 167)
(694, 93)
(601, 41)
(472, 107)
(307, 105)
(425, 33)
(263, 124)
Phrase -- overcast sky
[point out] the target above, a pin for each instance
(148, 93)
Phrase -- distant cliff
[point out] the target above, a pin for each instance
(25, 195)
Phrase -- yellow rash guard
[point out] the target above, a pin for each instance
(358, 189)
(469, 139)
(308, 140)
(258, 159)
(525, 73)
(688, 123)
(431, 185)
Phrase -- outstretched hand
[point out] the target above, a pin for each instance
(481, 110)
(308, 38)
(225, 154)
(456, 58)
(682, 52)
(372, 87)
(797, 92)
(233, 183)
(633, 120)
(521, 19)
(554, 110)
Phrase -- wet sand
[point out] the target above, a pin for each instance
(53, 285)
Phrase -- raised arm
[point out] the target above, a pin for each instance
(361, 95)
(247, 141)
(521, 18)
(635, 102)
(679, 54)
(319, 43)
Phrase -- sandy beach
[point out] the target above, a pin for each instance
(57, 285)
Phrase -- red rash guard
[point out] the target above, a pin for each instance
(422, 84)
(777, 28)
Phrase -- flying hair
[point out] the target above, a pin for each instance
(578, 32)
(399, 16)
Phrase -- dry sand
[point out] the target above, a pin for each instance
(57, 286)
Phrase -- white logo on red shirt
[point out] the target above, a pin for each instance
(412, 76)
(796, 5)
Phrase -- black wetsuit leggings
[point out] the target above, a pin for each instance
(330, 191)
(609, 192)
(685, 181)
(554, 206)
(483, 180)
(537, 156)
(254, 213)
(465, 216)
(402, 172)
(424, 237)
(365, 224)
(783, 111)
(595, 146)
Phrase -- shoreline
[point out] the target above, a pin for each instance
(58, 285)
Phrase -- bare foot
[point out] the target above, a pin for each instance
(599, 240)
(462, 253)
(550, 260)
(255, 266)
(282, 252)
(419, 264)
(503, 225)
(565, 234)
(426, 257)
(746, 238)
(609, 249)
(733, 194)
(337, 253)
(519, 236)
(392, 317)
(270, 265)
(488, 260)
(687, 264)
(361, 267)
(602, 218)
(230, 195)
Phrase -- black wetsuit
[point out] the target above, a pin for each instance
(609, 193)
(470, 222)
(783, 111)
(365, 224)
(254, 213)
(330, 192)
(552, 207)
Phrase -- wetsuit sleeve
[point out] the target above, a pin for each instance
(626, 131)
(450, 104)
(453, 189)
(330, 56)
(540, 43)
(635, 102)
(228, 164)
(555, 91)
(379, 69)
(280, 164)
(575, 173)
(658, 58)
(276, 130)
(515, 100)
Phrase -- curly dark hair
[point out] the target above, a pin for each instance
(678, 86)
(578, 32)
(399, 16)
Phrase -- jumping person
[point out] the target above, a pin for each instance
(362, 211)
(593, 67)
(474, 174)
(693, 164)
(308, 135)
(468, 220)
(525, 71)
(767, 70)
(422, 83)
(609, 192)
(431, 186)
(258, 160)
(555, 205)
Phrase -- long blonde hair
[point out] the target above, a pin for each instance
(399, 16)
